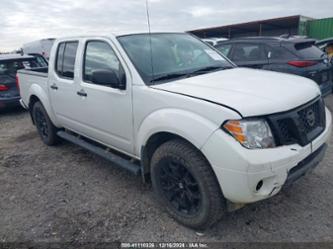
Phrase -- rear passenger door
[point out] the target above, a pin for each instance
(251, 55)
(62, 88)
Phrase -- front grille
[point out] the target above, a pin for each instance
(286, 133)
(301, 125)
(310, 117)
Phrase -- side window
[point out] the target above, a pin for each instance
(248, 52)
(66, 59)
(69, 59)
(99, 56)
(60, 58)
(224, 49)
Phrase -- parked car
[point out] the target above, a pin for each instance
(9, 64)
(297, 56)
(210, 136)
(327, 46)
(40, 47)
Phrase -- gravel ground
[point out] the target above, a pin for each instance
(64, 193)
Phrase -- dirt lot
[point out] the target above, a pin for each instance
(64, 193)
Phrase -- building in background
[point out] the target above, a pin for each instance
(291, 25)
(320, 28)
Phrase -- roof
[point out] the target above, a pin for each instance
(14, 56)
(251, 27)
(119, 34)
(272, 39)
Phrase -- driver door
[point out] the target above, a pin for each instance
(105, 112)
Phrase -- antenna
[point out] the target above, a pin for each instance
(150, 42)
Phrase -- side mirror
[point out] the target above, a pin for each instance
(107, 78)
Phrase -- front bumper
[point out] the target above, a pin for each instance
(239, 170)
(306, 166)
(9, 102)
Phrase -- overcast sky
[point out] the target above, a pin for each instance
(26, 20)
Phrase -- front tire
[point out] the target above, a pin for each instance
(46, 130)
(186, 186)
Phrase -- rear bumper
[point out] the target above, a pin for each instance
(9, 102)
(326, 88)
(23, 104)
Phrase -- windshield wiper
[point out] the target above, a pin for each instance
(168, 77)
(209, 69)
(188, 74)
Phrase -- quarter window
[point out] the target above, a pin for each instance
(280, 53)
(100, 56)
(65, 62)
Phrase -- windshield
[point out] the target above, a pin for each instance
(10, 67)
(173, 56)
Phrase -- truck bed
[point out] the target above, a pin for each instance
(36, 78)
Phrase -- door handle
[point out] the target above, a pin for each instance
(54, 87)
(82, 93)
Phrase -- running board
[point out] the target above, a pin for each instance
(117, 160)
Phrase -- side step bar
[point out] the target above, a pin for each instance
(117, 160)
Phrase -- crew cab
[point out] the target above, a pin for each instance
(210, 137)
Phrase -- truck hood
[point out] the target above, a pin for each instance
(250, 92)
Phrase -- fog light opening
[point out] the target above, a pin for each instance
(259, 185)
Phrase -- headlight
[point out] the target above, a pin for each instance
(251, 133)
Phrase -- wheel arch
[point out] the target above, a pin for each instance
(32, 100)
(147, 150)
(37, 93)
(165, 124)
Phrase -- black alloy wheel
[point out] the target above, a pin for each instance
(46, 130)
(41, 124)
(180, 187)
(185, 185)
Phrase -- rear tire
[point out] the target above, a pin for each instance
(185, 184)
(46, 130)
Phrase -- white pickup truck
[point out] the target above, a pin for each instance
(211, 137)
